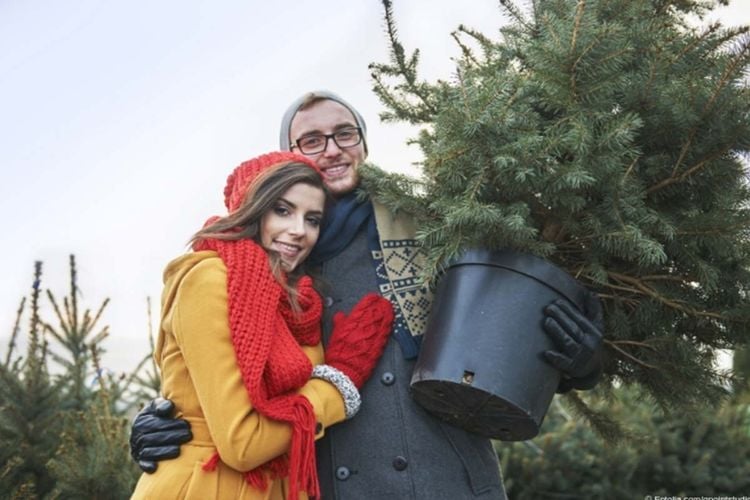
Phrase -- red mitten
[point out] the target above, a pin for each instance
(358, 340)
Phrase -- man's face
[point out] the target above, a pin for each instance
(339, 165)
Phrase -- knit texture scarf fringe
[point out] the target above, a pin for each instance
(267, 334)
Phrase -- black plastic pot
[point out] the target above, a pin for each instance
(481, 365)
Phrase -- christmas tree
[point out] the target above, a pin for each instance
(607, 136)
(60, 435)
(29, 409)
(705, 452)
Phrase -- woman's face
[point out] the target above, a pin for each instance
(292, 226)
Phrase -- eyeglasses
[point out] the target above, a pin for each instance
(317, 143)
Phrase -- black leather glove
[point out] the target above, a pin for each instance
(157, 435)
(578, 339)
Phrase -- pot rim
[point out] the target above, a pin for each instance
(528, 265)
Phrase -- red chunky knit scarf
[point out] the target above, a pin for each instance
(267, 336)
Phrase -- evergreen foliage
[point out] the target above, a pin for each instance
(741, 369)
(74, 334)
(29, 418)
(145, 382)
(609, 137)
(93, 458)
(59, 436)
(703, 453)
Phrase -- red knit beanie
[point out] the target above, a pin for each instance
(239, 181)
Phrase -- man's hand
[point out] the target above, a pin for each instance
(157, 435)
(578, 339)
(358, 340)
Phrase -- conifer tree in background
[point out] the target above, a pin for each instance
(75, 333)
(29, 410)
(609, 137)
(93, 457)
(145, 383)
(61, 436)
(741, 369)
(702, 452)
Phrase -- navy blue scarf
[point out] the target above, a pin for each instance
(342, 223)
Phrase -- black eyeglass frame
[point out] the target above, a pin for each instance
(328, 137)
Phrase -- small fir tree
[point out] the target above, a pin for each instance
(75, 333)
(59, 436)
(93, 458)
(706, 452)
(145, 381)
(741, 369)
(609, 137)
(29, 411)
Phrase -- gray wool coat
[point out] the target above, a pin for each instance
(392, 449)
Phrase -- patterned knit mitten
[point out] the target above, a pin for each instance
(358, 340)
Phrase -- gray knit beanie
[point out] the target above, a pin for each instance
(286, 121)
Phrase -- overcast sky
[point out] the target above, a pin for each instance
(119, 122)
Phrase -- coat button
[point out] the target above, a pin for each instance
(342, 473)
(328, 301)
(400, 463)
(387, 378)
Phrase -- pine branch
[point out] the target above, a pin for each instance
(602, 424)
(396, 191)
(32, 358)
(580, 7)
(620, 288)
(596, 41)
(383, 93)
(666, 277)
(55, 334)
(725, 78)
(674, 178)
(404, 69)
(56, 308)
(151, 335)
(515, 13)
(645, 345)
(14, 333)
(104, 390)
(99, 337)
(708, 32)
(629, 170)
(99, 314)
(73, 293)
(486, 43)
(617, 348)
(549, 29)
(638, 283)
(69, 321)
(465, 50)
(713, 232)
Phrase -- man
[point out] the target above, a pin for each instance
(392, 448)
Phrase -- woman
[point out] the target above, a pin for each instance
(239, 344)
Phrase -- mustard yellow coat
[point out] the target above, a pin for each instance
(200, 375)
